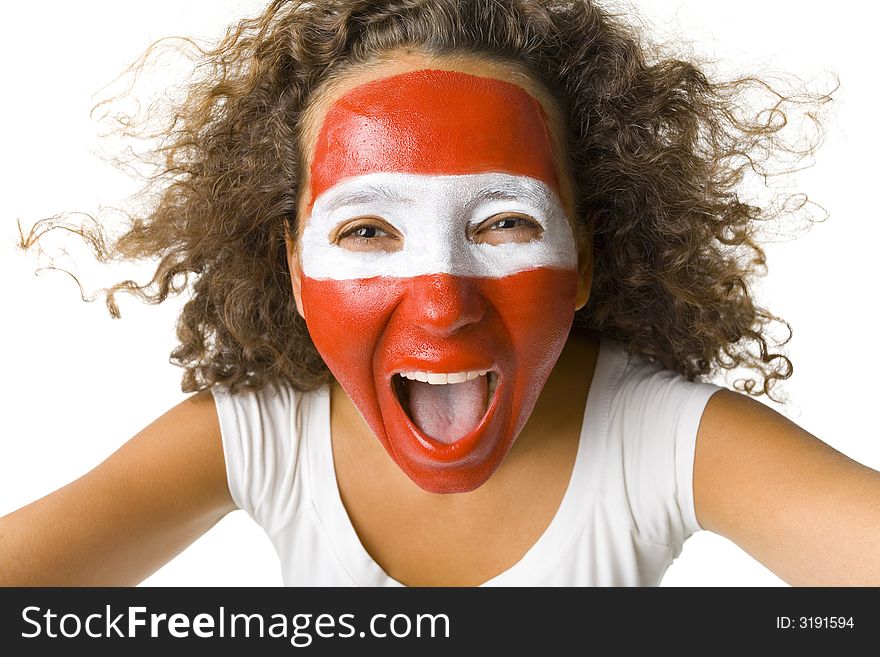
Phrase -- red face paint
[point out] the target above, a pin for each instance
(433, 122)
(429, 311)
(368, 330)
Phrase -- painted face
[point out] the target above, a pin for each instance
(439, 271)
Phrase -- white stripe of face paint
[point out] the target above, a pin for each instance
(433, 214)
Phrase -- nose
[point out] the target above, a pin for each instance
(443, 304)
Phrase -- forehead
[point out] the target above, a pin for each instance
(435, 122)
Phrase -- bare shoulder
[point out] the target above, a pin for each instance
(805, 510)
(129, 515)
(187, 441)
(183, 450)
(190, 430)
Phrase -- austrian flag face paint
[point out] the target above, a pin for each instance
(439, 269)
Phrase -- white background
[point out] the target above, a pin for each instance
(78, 384)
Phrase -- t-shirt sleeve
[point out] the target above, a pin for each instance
(659, 442)
(260, 448)
(688, 424)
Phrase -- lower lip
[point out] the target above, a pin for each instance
(464, 449)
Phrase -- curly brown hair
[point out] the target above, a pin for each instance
(657, 153)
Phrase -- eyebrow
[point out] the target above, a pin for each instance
(366, 194)
(501, 194)
(512, 192)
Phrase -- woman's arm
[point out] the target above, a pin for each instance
(804, 510)
(130, 515)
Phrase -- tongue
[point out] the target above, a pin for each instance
(448, 412)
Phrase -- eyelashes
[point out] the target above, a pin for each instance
(368, 234)
(372, 234)
(507, 228)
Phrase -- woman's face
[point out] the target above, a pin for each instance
(436, 265)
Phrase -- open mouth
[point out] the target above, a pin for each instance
(445, 406)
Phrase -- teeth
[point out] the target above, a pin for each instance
(435, 378)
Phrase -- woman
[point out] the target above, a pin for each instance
(769, 552)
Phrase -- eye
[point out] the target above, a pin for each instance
(366, 232)
(366, 235)
(508, 227)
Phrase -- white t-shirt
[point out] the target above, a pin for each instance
(627, 510)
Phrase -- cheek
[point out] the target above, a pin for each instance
(346, 318)
(537, 309)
